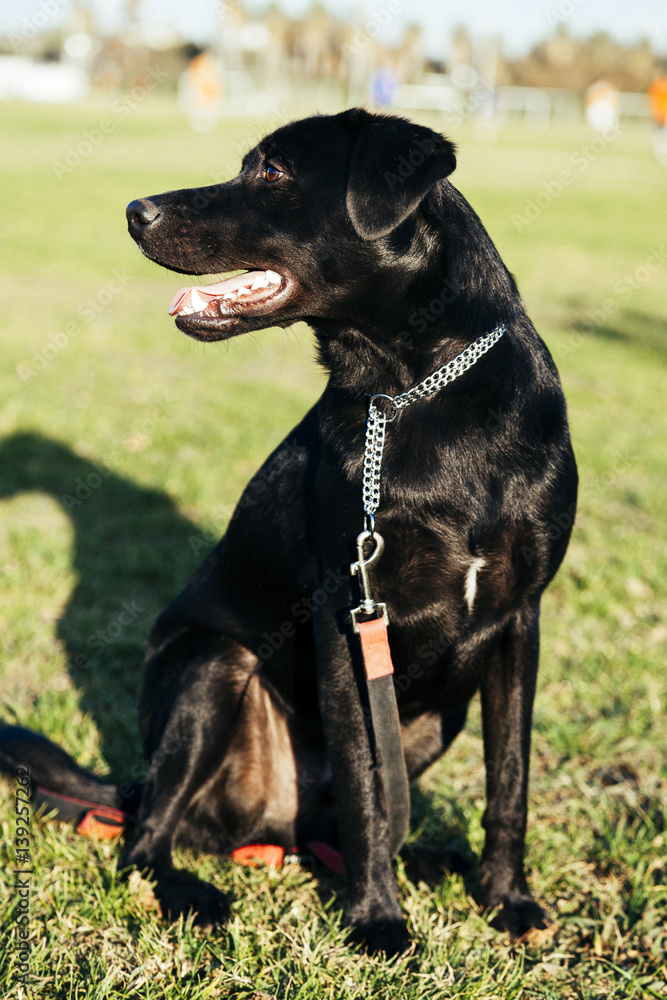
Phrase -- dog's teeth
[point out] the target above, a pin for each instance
(260, 282)
(196, 301)
(273, 278)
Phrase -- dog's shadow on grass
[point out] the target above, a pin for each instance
(132, 553)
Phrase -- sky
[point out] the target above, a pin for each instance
(520, 22)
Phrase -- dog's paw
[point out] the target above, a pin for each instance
(520, 914)
(389, 936)
(180, 893)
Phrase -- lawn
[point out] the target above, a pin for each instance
(123, 447)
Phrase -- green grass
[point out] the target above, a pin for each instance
(123, 447)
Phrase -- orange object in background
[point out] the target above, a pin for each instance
(205, 82)
(657, 97)
(200, 92)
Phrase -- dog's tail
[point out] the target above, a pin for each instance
(57, 782)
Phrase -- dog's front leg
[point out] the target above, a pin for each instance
(508, 689)
(372, 912)
(189, 735)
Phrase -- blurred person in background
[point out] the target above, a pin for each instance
(657, 96)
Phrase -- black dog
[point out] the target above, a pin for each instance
(253, 706)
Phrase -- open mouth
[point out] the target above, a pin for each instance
(207, 310)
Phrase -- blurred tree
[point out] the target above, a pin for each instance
(565, 61)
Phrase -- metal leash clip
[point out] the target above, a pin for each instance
(368, 607)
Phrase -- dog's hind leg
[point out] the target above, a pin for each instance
(194, 686)
(508, 689)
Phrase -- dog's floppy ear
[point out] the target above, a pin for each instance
(394, 164)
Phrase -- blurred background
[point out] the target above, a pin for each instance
(534, 62)
(124, 447)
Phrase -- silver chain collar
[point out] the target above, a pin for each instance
(377, 420)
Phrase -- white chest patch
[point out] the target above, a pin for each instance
(471, 581)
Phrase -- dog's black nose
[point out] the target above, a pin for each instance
(141, 213)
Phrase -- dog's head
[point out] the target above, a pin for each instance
(320, 216)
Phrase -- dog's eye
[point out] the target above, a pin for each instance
(271, 173)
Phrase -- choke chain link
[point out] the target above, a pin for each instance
(376, 423)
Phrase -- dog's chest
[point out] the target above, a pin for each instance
(435, 582)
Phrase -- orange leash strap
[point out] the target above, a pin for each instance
(253, 855)
(375, 649)
(102, 823)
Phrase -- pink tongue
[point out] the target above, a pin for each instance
(214, 291)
